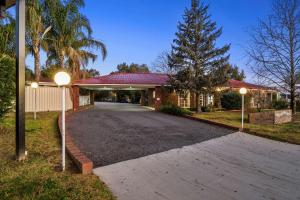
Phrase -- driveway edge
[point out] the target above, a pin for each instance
(83, 163)
(211, 122)
(245, 130)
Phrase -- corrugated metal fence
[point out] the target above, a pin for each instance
(48, 99)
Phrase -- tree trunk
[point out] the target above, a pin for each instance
(293, 99)
(198, 106)
(292, 30)
(37, 66)
(217, 100)
(61, 60)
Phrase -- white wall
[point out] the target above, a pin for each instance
(48, 99)
(84, 100)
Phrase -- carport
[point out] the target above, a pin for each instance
(147, 83)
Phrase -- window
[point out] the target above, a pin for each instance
(201, 102)
(184, 101)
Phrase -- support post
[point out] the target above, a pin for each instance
(271, 97)
(63, 121)
(158, 96)
(75, 94)
(150, 97)
(142, 97)
(92, 97)
(20, 79)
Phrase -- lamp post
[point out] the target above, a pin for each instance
(243, 91)
(63, 79)
(34, 86)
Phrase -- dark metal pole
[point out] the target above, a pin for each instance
(20, 79)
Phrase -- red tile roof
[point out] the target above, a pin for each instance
(239, 84)
(127, 78)
(151, 79)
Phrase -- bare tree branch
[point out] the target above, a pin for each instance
(274, 51)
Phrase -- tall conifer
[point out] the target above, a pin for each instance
(196, 59)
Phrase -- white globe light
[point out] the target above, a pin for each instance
(34, 85)
(243, 90)
(62, 78)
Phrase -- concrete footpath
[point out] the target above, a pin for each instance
(235, 166)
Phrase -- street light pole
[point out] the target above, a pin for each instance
(35, 103)
(63, 79)
(243, 111)
(63, 118)
(243, 91)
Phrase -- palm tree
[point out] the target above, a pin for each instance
(71, 37)
(7, 36)
(80, 53)
(35, 32)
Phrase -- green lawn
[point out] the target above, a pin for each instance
(289, 132)
(38, 177)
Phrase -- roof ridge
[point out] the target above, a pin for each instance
(136, 73)
(251, 84)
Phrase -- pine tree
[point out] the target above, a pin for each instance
(196, 59)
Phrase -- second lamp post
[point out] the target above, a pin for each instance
(243, 91)
(34, 86)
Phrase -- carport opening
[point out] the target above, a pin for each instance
(118, 96)
(131, 95)
(138, 88)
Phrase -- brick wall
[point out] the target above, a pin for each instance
(150, 97)
(157, 100)
(83, 163)
(75, 97)
(142, 100)
(92, 97)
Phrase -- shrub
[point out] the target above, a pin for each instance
(174, 110)
(7, 84)
(280, 104)
(206, 109)
(231, 101)
(193, 109)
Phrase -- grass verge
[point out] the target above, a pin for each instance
(39, 177)
(289, 132)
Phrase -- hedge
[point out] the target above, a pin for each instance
(7, 84)
(174, 110)
(231, 101)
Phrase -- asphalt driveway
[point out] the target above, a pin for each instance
(112, 132)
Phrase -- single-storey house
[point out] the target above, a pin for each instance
(154, 88)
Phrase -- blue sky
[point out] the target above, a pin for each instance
(139, 30)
